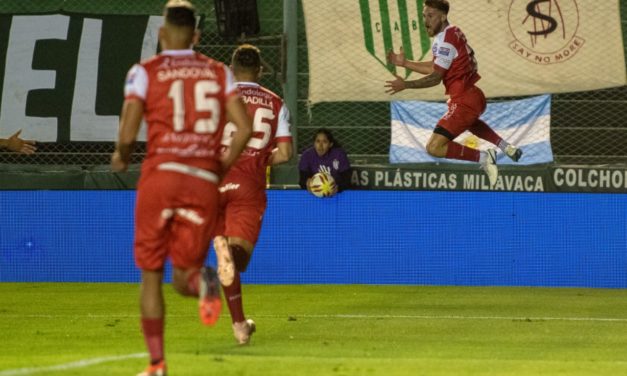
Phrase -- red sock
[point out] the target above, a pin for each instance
(459, 151)
(233, 296)
(193, 282)
(153, 335)
(483, 131)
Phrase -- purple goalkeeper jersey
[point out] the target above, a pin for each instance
(333, 162)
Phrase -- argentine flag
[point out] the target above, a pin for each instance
(524, 123)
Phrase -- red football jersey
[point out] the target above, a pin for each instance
(184, 94)
(271, 125)
(454, 58)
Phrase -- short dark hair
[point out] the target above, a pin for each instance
(441, 5)
(181, 16)
(246, 57)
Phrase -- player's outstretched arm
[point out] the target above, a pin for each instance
(130, 121)
(431, 80)
(18, 145)
(422, 67)
(397, 59)
(237, 113)
(394, 86)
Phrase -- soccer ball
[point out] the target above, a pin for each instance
(322, 185)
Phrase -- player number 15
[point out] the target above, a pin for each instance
(203, 102)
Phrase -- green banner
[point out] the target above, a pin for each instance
(541, 178)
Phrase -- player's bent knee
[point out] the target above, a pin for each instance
(179, 287)
(241, 258)
(436, 150)
(431, 150)
(179, 282)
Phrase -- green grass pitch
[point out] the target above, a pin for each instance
(93, 329)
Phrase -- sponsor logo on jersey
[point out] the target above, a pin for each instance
(545, 31)
(131, 77)
(228, 187)
(443, 51)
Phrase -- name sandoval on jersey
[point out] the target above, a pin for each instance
(185, 72)
(252, 96)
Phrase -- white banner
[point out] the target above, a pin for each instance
(523, 47)
(524, 123)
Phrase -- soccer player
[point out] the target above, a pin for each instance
(185, 98)
(18, 145)
(243, 190)
(454, 64)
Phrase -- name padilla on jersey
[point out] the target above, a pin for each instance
(258, 97)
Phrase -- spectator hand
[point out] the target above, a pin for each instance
(16, 144)
(395, 86)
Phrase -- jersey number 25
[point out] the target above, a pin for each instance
(260, 125)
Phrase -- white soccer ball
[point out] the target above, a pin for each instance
(322, 185)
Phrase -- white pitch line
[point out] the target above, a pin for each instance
(351, 316)
(64, 367)
(449, 317)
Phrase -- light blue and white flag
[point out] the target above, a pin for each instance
(524, 123)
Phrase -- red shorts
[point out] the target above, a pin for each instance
(463, 111)
(242, 205)
(174, 216)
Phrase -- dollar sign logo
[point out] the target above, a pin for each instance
(533, 11)
(544, 31)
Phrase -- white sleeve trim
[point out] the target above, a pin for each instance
(445, 54)
(136, 83)
(230, 81)
(283, 126)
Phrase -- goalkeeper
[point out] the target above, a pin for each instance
(326, 155)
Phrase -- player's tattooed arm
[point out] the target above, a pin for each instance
(428, 81)
(398, 84)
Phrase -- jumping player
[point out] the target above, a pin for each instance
(454, 64)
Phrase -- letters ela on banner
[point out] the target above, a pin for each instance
(525, 123)
(523, 47)
(41, 103)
